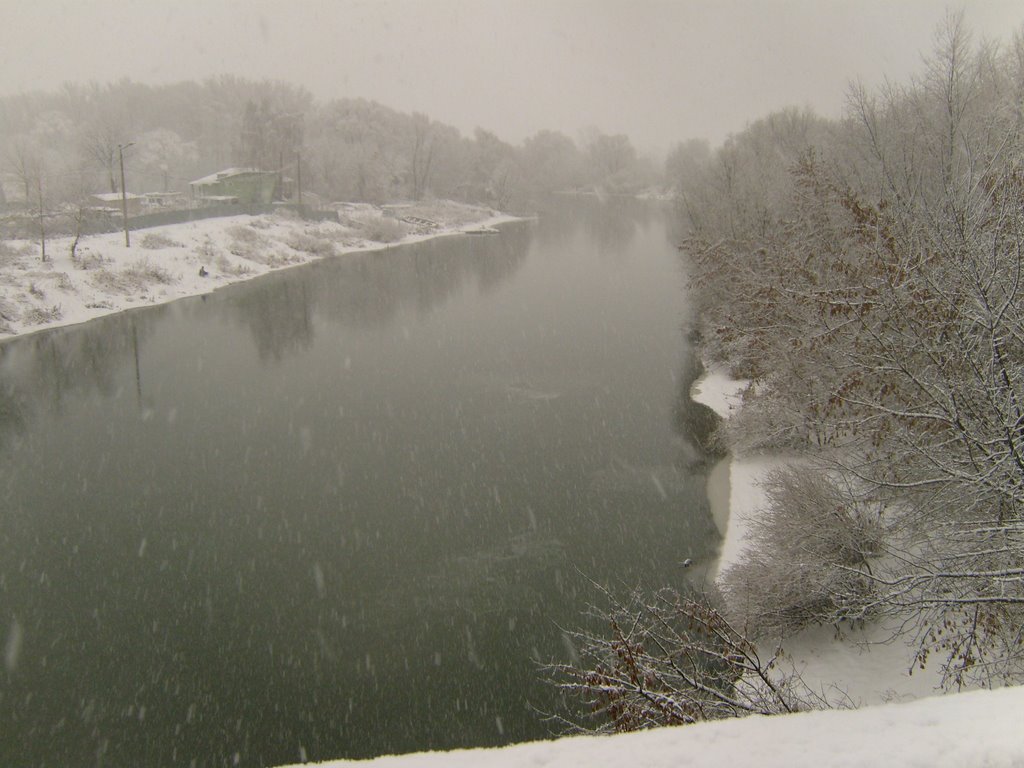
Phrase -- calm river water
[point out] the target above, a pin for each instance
(344, 509)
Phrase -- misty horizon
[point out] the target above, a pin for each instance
(658, 72)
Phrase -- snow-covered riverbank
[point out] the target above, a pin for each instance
(863, 664)
(981, 728)
(179, 260)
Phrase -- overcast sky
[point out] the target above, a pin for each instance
(659, 71)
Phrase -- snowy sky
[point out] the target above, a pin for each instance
(658, 70)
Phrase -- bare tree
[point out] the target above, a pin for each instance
(99, 143)
(422, 153)
(668, 659)
(23, 158)
(76, 188)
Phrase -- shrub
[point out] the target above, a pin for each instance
(150, 273)
(155, 240)
(243, 233)
(336, 233)
(670, 659)
(316, 246)
(42, 315)
(806, 558)
(88, 259)
(135, 279)
(227, 267)
(384, 230)
(247, 243)
(115, 282)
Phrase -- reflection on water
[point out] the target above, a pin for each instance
(40, 372)
(342, 510)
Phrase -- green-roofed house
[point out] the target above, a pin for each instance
(235, 185)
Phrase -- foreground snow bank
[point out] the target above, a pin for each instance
(193, 258)
(981, 728)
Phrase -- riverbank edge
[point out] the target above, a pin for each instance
(865, 665)
(190, 288)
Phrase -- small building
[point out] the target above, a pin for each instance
(112, 200)
(156, 201)
(243, 185)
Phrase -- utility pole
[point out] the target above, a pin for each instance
(42, 221)
(298, 178)
(124, 195)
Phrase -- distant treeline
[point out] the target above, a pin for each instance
(60, 146)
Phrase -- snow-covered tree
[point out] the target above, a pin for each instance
(162, 158)
(871, 285)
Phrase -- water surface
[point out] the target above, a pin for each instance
(342, 510)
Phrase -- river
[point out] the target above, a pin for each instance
(343, 509)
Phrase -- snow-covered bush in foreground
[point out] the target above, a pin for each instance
(670, 659)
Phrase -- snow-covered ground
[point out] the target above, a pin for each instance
(163, 263)
(719, 392)
(981, 728)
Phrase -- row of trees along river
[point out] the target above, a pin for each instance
(58, 147)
